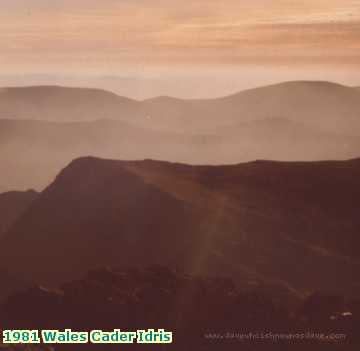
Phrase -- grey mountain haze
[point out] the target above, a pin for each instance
(43, 128)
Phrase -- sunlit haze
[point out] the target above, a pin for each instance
(149, 44)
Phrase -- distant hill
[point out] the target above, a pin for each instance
(42, 128)
(33, 152)
(12, 205)
(325, 105)
(293, 225)
(328, 106)
(55, 103)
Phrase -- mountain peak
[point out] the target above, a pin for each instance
(108, 212)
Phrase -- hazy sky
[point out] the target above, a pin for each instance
(102, 36)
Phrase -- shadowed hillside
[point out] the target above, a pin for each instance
(289, 225)
(203, 313)
(12, 205)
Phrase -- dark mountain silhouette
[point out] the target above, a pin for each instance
(25, 347)
(292, 226)
(10, 284)
(203, 313)
(33, 152)
(12, 205)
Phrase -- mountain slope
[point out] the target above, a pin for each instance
(96, 223)
(294, 225)
(11, 284)
(12, 205)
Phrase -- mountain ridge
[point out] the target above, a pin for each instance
(41, 89)
(247, 220)
(297, 100)
(55, 144)
(53, 89)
